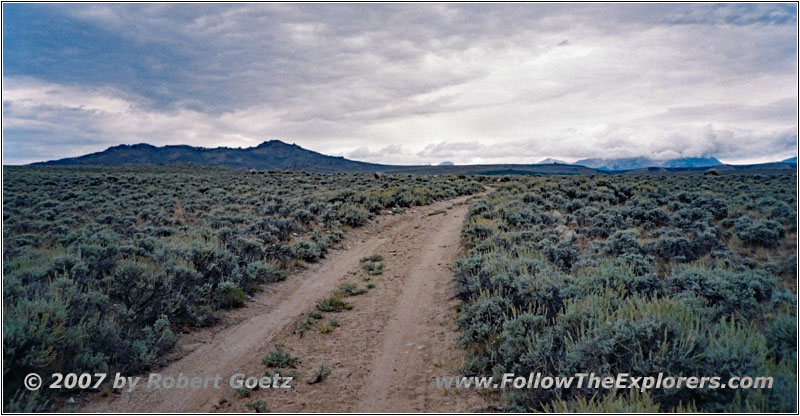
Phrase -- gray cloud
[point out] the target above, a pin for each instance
(422, 83)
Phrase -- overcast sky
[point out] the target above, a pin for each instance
(405, 83)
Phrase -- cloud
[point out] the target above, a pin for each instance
(390, 154)
(404, 83)
(54, 121)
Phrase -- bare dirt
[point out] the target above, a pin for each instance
(385, 354)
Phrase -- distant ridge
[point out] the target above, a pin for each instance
(643, 162)
(789, 160)
(273, 154)
(550, 161)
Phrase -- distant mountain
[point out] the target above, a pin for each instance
(692, 162)
(550, 161)
(617, 164)
(790, 160)
(447, 163)
(643, 162)
(273, 154)
(276, 154)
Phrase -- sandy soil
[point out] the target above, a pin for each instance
(384, 355)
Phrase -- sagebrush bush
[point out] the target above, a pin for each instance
(373, 268)
(764, 234)
(278, 358)
(103, 265)
(306, 250)
(355, 216)
(624, 242)
(630, 274)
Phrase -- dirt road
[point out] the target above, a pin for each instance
(384, 354)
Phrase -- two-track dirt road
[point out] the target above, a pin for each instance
(384, 355)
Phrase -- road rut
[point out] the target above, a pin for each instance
(384, 354)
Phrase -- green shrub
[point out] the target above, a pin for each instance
(781, 335)
(726, 292)
(262, 273)
(372, 269)
(372, 258)
(350, 289)
(278, 358)
(306, 250)
(307, 322)
(624, 242)
(230, 295)
(767, 234)
(333, 304)
(258, 406)
(544, 293)
(355, 216)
